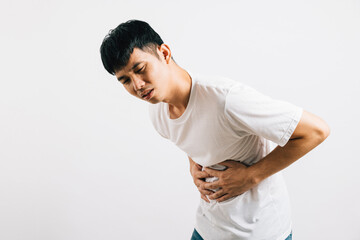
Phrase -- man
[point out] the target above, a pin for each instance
(227, 129)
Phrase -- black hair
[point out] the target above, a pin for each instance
(120, 42)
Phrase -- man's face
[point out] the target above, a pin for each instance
(145, 75)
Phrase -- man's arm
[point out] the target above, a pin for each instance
(309, 133)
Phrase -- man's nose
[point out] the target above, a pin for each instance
(138, 84)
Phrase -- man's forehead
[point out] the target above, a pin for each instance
(134, 57)
(137, 56)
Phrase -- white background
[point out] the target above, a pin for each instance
(79, 158)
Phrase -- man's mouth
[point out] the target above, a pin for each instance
(147, 95)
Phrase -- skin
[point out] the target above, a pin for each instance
(172, 85)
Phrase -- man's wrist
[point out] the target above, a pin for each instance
(256, 173)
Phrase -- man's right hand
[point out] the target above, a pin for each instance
(199, 179)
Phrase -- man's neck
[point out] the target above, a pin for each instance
(180, 92)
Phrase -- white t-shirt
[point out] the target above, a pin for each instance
(225, 119)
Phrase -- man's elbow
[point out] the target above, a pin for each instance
(322, 131)
(312, 128)
(326, 131)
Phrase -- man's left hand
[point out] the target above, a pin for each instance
(235, 180)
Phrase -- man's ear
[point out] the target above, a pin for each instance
(165, 52)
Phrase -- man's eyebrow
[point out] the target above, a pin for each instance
(133, 67)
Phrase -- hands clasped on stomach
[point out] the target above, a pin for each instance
(221, 185)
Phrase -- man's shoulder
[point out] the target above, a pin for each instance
(215, 81)
(213, 86)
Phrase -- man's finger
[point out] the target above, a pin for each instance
(211, 185)
(205, 198)
(199, 182)
(197, 169)
(212, 172)
(205, 191)
(202, 174)
(223, 198)
(217, 194)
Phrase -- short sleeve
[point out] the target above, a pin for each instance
(248, 110)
